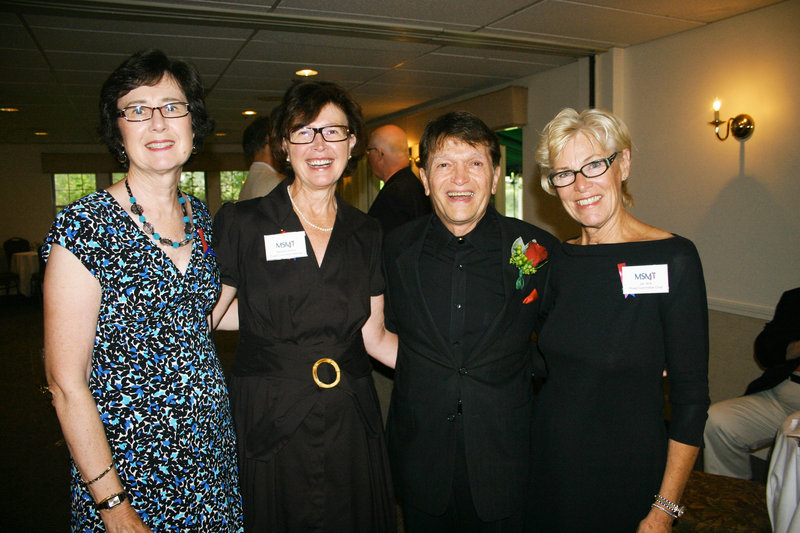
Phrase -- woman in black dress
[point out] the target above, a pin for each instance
(306, 268)
(626, 302)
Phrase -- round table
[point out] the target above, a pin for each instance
(25, 264)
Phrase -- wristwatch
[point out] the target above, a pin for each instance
(111, 502)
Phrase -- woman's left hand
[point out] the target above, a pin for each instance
(656, 521)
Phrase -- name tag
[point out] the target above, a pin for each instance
(285, 245)
(645, 279)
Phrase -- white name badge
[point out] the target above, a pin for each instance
(285, 245)
(645, 279)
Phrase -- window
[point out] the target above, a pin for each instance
(194, 183)
(70, 187)
(513, 190)
(512, 140)
(230, 183)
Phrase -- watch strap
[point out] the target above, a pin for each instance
(112, 501)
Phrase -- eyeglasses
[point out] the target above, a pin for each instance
(140, 113)
(592, 169)
(306, 135)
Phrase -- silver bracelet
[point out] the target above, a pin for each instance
(658, 506)
(669, 507)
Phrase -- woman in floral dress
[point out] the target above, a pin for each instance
(130, 280)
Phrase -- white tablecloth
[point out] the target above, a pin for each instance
(783, 481)
(25, 264)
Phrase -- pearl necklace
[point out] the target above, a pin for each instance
(303, 216)
(188, 227)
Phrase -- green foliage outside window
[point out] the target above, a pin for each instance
(194, 183)
(70, 187)
(230, 183)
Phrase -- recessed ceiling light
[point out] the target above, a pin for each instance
(221, 134)
(307, 72)
(40, 133)
(9, 109)
(249, 112)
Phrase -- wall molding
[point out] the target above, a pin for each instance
(741, 308)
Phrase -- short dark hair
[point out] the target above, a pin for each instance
(147, 68)
(255, 136)
(301, 104)
(463, 126)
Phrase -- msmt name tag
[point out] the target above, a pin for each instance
(645, 279)
(285, 245)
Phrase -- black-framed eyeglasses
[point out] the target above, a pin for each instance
(140, 113)
(306, 134)
(593, 169)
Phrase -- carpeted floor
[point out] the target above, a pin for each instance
(35, 460)
(34, 457)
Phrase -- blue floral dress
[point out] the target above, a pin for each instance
(155, 377)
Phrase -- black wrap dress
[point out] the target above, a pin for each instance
(311, 458)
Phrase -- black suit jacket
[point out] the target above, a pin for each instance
(402, 199)
(771, 343)
(493, 382)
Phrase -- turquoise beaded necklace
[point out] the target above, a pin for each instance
(188, 227)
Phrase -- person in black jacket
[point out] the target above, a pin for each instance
(402, 197)
(460, 417)
(739, 425)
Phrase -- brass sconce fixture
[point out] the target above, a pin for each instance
(741, 126)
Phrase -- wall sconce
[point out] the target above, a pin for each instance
(741, 126)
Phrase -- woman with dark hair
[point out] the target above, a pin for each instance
(306, 268)
(130, 282)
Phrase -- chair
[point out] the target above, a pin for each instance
(8, 279)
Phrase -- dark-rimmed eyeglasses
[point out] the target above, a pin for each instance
(306, 134)
(593, 169)
(140, 113)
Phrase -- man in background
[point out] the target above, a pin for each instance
(402, 197)
(262, 177)
(739, 425)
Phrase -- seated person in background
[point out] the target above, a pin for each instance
(403, 196)
(738, 425)
(262, 176)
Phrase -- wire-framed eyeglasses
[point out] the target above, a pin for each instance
(593, 169)
(140, 113)
(306, 134)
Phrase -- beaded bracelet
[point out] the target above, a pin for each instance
(671, 508)
(103, 473)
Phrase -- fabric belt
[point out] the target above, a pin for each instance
(305, 374)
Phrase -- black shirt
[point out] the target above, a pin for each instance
(462, 280)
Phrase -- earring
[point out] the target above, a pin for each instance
(287, 157)
(194, 149)
(122, 157)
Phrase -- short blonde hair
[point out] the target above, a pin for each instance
(600, 127)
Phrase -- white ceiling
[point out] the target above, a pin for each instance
(392, 55)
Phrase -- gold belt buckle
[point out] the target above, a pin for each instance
(335, 367)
